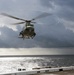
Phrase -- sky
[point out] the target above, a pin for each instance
(56, 31)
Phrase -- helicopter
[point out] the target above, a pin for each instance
(28, 30)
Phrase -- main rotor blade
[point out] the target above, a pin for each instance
(41, 16)
(18, 23)
(12, 16)
(33, 22)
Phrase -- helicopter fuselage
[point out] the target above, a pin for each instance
(28, 31)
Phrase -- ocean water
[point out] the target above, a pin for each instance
(12, 64)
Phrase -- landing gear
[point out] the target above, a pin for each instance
(27, 33)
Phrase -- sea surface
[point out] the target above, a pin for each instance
(12, 64)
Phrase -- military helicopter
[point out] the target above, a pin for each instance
(28, 30)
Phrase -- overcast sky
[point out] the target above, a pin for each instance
(53, 31)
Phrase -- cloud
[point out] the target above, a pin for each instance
(55, 31)
(57, 36)
(63, 9)
(63, 38)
